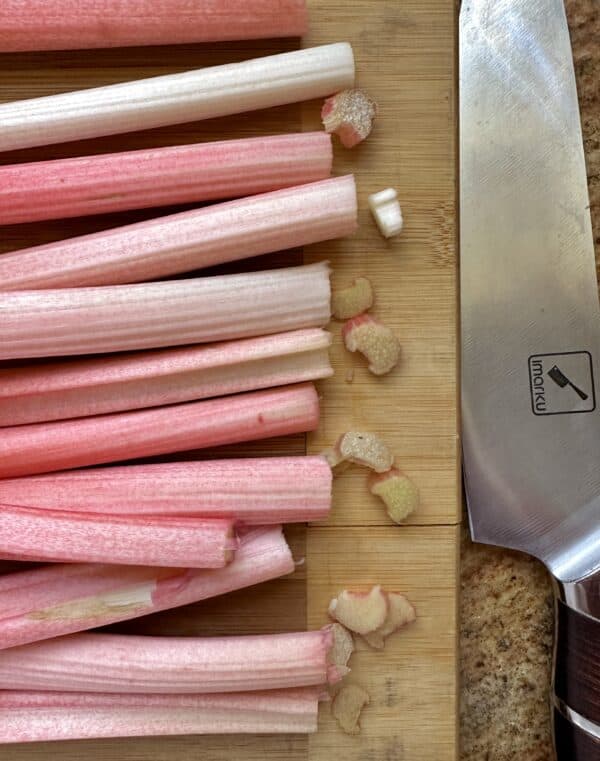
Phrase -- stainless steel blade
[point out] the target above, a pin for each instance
(529, 290)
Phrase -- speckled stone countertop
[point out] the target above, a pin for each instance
(507, 606)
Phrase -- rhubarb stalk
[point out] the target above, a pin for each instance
(54, 600)
(44, 447)
(253, 491)
(44, 716)
(50, 535)
(170, 665)
(77, 187)
(80, 388)
(150, 315)
(69, 24)
(189, 240)
(177, 98)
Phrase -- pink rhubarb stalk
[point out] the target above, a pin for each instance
(71, 25)
(177, 98)
(50, 535)
(80, 388)
(44, 447)
(169, 665)
(44, 716)
(150, 315)
(253, 491)
(189, 240)
(61, 599)
(140, 179)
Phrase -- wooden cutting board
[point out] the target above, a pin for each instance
(405, 54)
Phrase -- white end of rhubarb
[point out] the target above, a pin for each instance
(347, 707)
(353, 300)
(361, 612)
(342, 648)
(361, 448)
(386, 210)
(400, 613)
(398, 493)
(375, 341)
(350, 114)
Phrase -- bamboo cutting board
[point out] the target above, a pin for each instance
(405, 52)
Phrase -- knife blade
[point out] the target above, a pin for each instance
(531, 328)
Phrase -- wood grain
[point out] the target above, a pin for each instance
(412, 684)
(405, 59)
(405, 56)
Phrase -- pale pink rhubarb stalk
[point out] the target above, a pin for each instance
(252, 491)
(80, 388)
(189, 240)
(61, 599)
(170, 665)
(150, 315)
(44, 716)
(176, 98)
(66, 537)
(71, 24)
(139, 179)
(44, 447)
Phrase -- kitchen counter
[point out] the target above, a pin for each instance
(507, 604)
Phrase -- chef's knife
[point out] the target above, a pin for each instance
(531, 329)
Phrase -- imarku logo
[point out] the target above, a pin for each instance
(562, 384)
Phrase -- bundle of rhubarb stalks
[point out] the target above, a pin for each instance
(147, 363)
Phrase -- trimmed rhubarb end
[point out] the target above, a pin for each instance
(353, 300)
(361, 612)
(350, 114)
(398, 493)
(342, 647)
(347, 707)
(366, 449)
(400, 613)
(387, 213)
(375, 341)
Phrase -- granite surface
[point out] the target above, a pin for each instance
(506, 604)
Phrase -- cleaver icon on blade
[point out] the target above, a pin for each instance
(561, 380)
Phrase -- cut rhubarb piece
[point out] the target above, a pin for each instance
(352, 301)
(400, 613)
(170, 665)
(55, 600)
(398, 493)
(361, 612)
(72, 25)
(50, 535)
(77, 187)
(171, 313)
(254, 491)
(45, 716)
(361, 448)
(350, 115)
(80, 388)
(177, 98)
(347, 707)
(375, 341)
(44, 447)
(189, 240)
(387, 212)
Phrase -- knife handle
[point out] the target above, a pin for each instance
(577, 671)
(571, 742)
